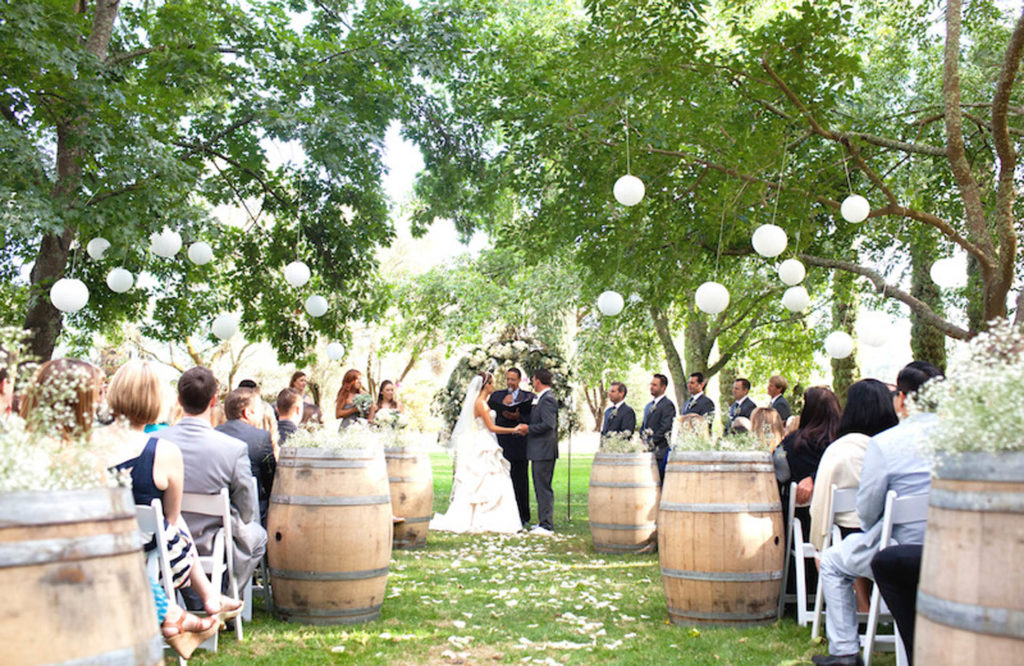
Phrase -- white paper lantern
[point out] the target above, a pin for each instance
(610, 303)
(200, 253)
(69, 295)
(948, 273)
(769, 240)
(335, 351)
(166, 243)
(296, 273)
(873, 329)
(792, 272)
(224, 326)
(855, 208)
(839, 344)
(796, 299)
(119, 280)
(712, 297)
(316, 306)
(96, 247)
(629, 190)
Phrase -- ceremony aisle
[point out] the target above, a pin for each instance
(518, 599)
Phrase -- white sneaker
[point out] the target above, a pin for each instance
(543, 531)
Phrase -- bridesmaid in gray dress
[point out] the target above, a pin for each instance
(344, 405)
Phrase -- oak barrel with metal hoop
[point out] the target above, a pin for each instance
(622, 502)
(411, 481)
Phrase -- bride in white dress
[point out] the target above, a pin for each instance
(482, 498)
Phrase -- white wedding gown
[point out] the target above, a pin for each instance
(482, 495)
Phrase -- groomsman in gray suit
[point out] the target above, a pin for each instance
(213, 460)
(620, 417)
(657, 424)
(542, 449)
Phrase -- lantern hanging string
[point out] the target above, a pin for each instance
(625, 120)
(846, 170)
(778, 184)
(721, 226)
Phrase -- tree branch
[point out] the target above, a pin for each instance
(921, 308)
(203, 148)
(119, 58)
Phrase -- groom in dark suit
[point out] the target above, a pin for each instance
(514, 446)
(620, 417)
(542, 449)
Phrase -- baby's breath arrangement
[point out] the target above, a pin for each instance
(359, 435)
(979, 403)
(693, 435)
(622, 442)
(391, 424)
(30, 461)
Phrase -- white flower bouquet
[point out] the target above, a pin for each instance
(362, 402)
(359, 435)
(622, 442)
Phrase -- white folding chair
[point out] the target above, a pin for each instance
(220, 561)
(843, 501)
(799, 550)
(898, 511)
(158, 563)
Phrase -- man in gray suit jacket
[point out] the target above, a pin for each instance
(542, 449)
(243, 413)
(212, 461)
(657, 424)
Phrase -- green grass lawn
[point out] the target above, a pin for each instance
(528, 599)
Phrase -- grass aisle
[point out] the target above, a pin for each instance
(480, 599)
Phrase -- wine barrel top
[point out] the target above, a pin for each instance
(724, 457)
(1004, 467)
(329, 454)
(628, 459)
(48, 507)
(404, 453)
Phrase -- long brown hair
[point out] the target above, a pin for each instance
(819, 419)
(62, 397)
(347, 389)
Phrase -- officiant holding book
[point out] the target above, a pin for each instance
(511, 407)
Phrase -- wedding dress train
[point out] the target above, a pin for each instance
(482, 495)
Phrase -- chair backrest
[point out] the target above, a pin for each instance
(900, 511)
(151, 519)
(214, 505)
(843, 500)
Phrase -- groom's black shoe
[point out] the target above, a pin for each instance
(838, 659)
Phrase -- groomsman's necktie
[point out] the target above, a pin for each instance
(686, 405)
(647, 410)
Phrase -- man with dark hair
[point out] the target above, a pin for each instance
(212, 461)
(243, 411)
(6, 394)
(893, 460)
(249, 384)
(777, 385)
(743, 405)
(698, 403)
(542, 449)
(620, 417)
(289, 413)
(657, 423)
(511, 406)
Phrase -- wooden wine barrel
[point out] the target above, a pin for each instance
(411, 481)
(623, 502)
(329, 527)
(969, 604)
(720, 538)
(74, 580)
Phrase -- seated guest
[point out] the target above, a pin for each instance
(244, 411)
(893, 460)
(268, 422)
(792, 424)
(740, 424)
(693, 425)
(61, 400)
(249, 384)
(385, 400)
(289, 411)
(819, 422)
(620, 417)
(155, 464)
(767, 427)
(213, 461)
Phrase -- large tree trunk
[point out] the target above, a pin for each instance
(596, 397)
(43, 321)
(926, 342)
(675, 364)
(726, 378)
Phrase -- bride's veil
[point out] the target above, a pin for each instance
(461, 440)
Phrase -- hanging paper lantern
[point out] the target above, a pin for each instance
(119, 280)
(839, 344)
(224, 326)
(69, 295)
(166, 243)
(948, 273)
(796, 299)
(873, 329)
(316, 306)
(296, 273)
(96, 247)
(712, 297)
(855, 208)
(200, 253)
(610, 303)
(769, 240)
(792, 272)
(335, 351)
(629, 190)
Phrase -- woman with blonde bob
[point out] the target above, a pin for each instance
(135, 397)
